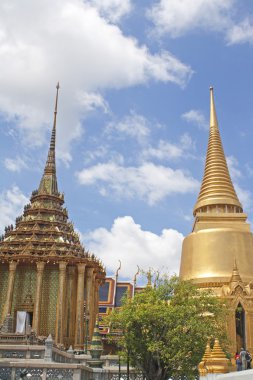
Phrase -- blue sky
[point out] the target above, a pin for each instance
(133, 114)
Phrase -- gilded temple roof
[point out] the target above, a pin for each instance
(44, 231)
(217, 187)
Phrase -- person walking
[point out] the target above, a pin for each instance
(238, 362)
(243, 359)
(249, 359)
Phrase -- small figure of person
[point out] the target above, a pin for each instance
(243, 359)
(238, 362)
(249, 360)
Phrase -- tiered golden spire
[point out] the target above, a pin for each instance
(48, 183)
(214, 361)
(235, 274)
(208, 351)
(44, 231)
(217, 187)
(207, 355)
(217, 352)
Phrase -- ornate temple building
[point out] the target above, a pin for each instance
(46, 276)
(111, 294)
(218, 253)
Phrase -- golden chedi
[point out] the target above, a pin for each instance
(202, 365)
(218, 253)
(213, 361)
(46, 276)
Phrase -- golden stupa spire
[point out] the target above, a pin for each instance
(207, 353)
(217, 188)
(48, 183)
(235, 274)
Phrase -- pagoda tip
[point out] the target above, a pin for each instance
(211, 88)
(58, 85)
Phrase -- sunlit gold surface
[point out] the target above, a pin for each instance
(220, 232)
(217, 187)
(218, 254)
(209, 254)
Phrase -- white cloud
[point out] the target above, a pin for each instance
(114, 10)
(187, 142)
(67, 40)
(15, 164)
(91, 101)
(128, 242)
(233, 167)
(164, 151)
(133, 125)
(148, 182)
(196, 117)
(179, 17)
(12, 202)
(249, 169)
(244, 196)
(241, 33)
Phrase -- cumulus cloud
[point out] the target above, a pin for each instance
(12, 202)
(179, 17)
(113, 10)
(196, 117)
(15, 164)
(133, 125)
(233, 167)
(147, 182)
(128, 242)
(241, 33)
(244, 196)
(92, 101)
(166, 150)
(69, 41)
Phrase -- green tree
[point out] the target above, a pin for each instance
(164, 329)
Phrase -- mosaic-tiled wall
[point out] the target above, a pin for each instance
(24, 289)
(3, 285)
(49, 300)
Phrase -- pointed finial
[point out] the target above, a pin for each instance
(235, 273)
(213, 116)
(56, 100)
(208, 351)
(217, 192)
(235, 264)
(207, 355)
(48, 183)
(117, 271)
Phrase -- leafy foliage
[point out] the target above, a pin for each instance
(164, 329)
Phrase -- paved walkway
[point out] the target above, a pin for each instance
(241, 375)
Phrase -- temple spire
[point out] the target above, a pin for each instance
(213, 117)
(217, 190)
(48, 183)
(235, 274)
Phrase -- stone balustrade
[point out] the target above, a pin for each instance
(30, 359)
